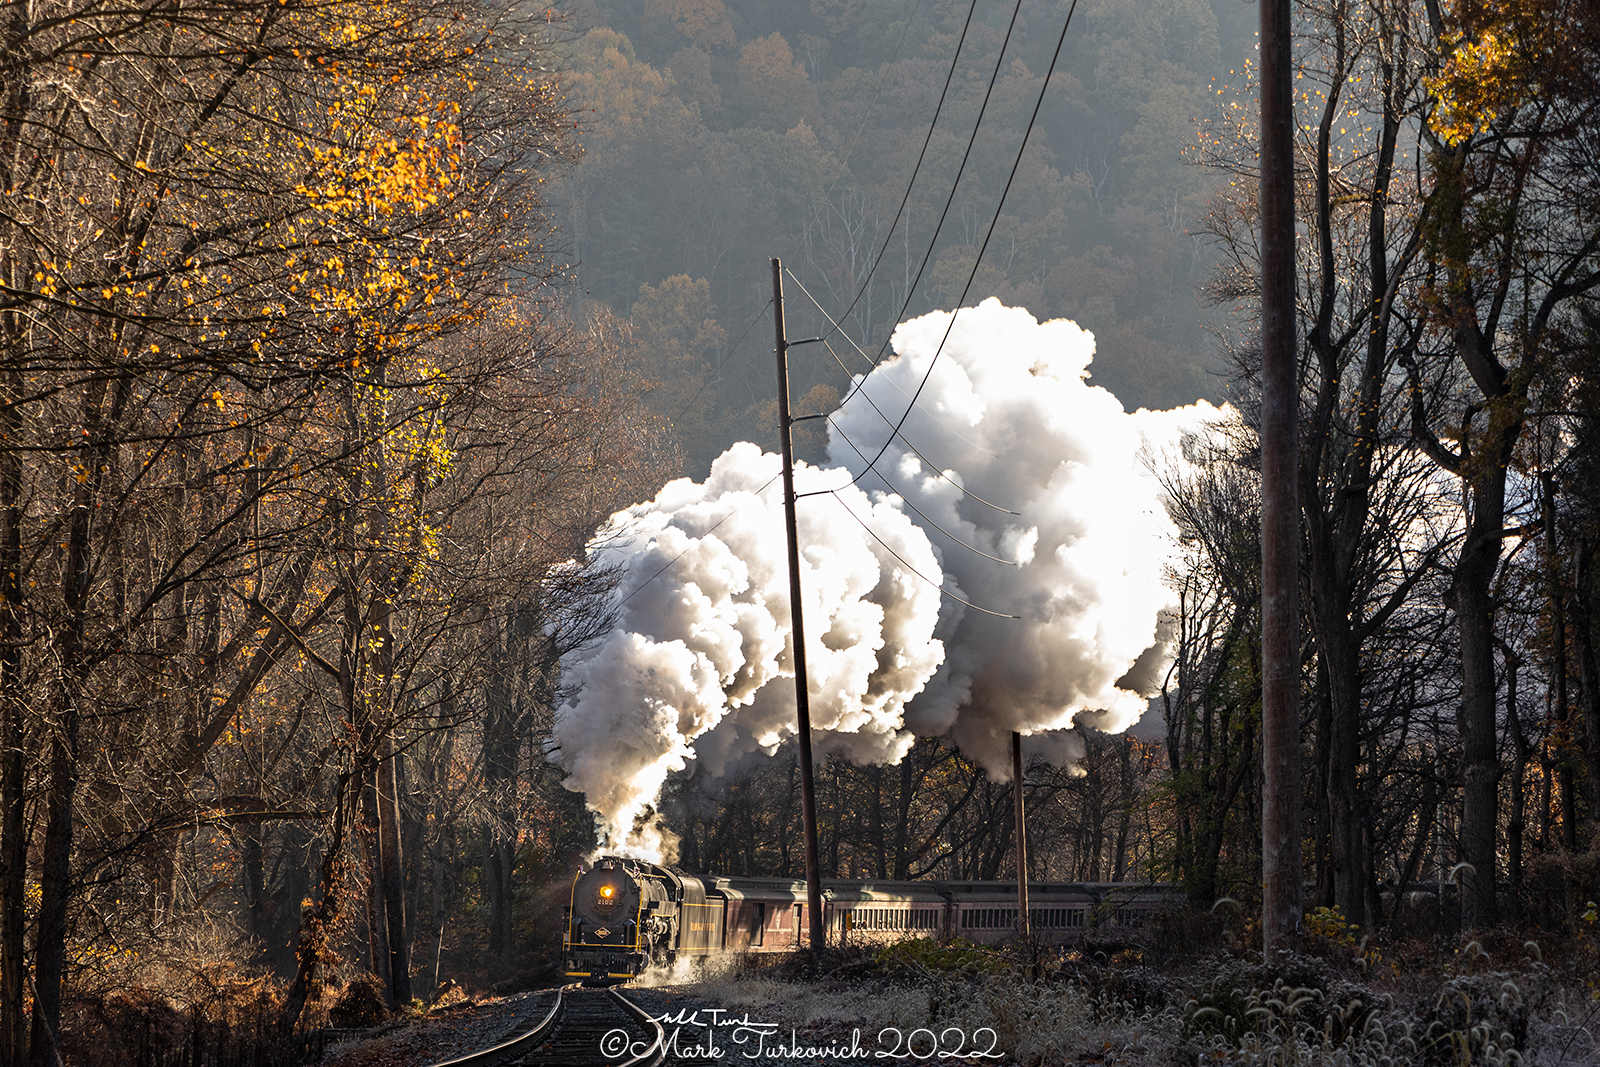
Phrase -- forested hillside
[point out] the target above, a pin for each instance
(718, 135)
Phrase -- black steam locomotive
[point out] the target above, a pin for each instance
(627, 914)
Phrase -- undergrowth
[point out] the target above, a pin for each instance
(1182, 992)
(1147, 1001)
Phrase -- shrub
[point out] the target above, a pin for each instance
(923, 956)
(360, 1005)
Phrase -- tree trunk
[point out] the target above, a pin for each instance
(880, 850)
(394, 881)
(253, 868)
(438, 915)
(318, 921)
(1519, 821)
(13, 758)
(385, 797)
(1565, 746)
(902, 824)
(55, 874)
(497, 869)
(1183, 834)
(55, 878)
(786, 818)
(389, 784)
(1547, 777)
(1125, 806)
(1322, 850)
(1345, 817)
(14, 327)
(378, 954)
(1427, 813)
(1588, 668)
(1480, 758)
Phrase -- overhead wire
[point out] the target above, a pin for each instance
(844, 164)
(954, 185)
(942, 590)
(910, 290)
(1016, 163)
(939, 107)
(849, 511)
(906, 198)
(917, 451)
(907, 501)
(733, 349)
(944, 425)
(909, 444)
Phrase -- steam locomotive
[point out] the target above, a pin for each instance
(626, 914)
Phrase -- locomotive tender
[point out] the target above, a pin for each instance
(626, 914)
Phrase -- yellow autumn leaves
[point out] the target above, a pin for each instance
(1491, 67)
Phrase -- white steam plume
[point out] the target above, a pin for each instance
(698, 665)
(1006, 414)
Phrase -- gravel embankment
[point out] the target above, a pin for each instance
(445, 1034)
(700, 1033)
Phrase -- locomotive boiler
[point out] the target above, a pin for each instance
(627, 914)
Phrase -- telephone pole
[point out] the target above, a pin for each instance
(1023, 926)
(1280, 508)
(802, 695)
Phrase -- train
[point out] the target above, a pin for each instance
(626, 914)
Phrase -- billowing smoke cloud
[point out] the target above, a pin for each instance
(698, 665)
(1006, 415)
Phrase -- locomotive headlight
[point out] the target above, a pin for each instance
(606, 892)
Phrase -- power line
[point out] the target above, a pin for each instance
(942, 590)
(844, 165)
(954, 185)
(910, 289)
(1015, 164)
(907, 501)
(946, 426)
(935, 467)
(938, 109)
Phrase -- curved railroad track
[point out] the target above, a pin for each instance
(583, 1028)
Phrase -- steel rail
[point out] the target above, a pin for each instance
(516, 1046)
(657, 1051)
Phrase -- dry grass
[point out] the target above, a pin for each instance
(1144, 1006)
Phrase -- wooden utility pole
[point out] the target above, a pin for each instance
(1023, 925)
(802, 696)
(1280, 517)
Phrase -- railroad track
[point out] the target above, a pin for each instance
(583, 1028)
